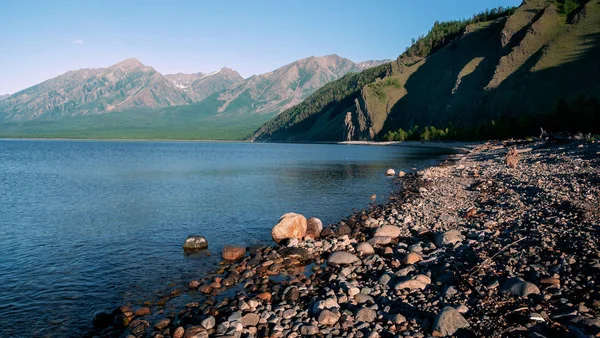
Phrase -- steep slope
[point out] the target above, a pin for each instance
(282, 88)
(199, 86)
(125, 85)
(501, 77)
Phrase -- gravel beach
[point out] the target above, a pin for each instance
(502, 241)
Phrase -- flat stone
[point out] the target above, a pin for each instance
(391, 231)
(411, 284)
(365, 248)
(250, 319)
(327, 317)
(450, 237)
(448, 321)
(411, 258)
(366, 315)
(342, 258)
(518, 287)
(195, 332)
(379, 240)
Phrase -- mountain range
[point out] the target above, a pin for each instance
(503, 73)
(131, 85)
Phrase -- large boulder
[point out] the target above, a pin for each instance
(314, 226)
(390, 172)
(232, 253)
(291, 225)
(448, 321)
(194, 243)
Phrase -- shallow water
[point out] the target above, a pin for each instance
(88, 225)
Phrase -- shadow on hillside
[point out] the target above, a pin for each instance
(430, 99)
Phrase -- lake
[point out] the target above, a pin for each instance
(89, 225)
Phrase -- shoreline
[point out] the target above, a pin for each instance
(447, 235)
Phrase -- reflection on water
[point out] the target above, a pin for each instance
(88, 225)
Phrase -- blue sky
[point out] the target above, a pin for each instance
(43, 39)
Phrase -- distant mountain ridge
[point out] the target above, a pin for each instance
(132, 85)
(125, 85)
(2, 97)
(199, 86)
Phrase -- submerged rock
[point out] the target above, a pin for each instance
(194, 243)
(291, 225)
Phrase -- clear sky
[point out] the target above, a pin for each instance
(43, 39)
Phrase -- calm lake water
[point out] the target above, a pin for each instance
(89, 225)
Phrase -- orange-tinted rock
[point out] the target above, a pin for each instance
(291, 225)
(232, 253)
(142, 311)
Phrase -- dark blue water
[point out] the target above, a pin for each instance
(88, 225)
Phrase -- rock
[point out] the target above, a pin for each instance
(401, 174)
(518, 287)
(138, 327)
(300, 254)
(366, 315)
(391, 231)
(308, 330)
(232, 253)
(342, 230)
(291, 225)
(396, 318)
(590, 325)
(195, 243)
(411, 258)
(379, 240)
(550, 281)
(450, 237)
(266, 296)
(448, 321)
(342, 258)
(327, 317)
(365, 249)
(179, 332)
(390, 172)
(250, 319)
(208, 323)
(195, 332)
(411, 284)
(162, 324)
(142, 311)
(103, 320)
(326, 304)
(193, 285)
(314, 226)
